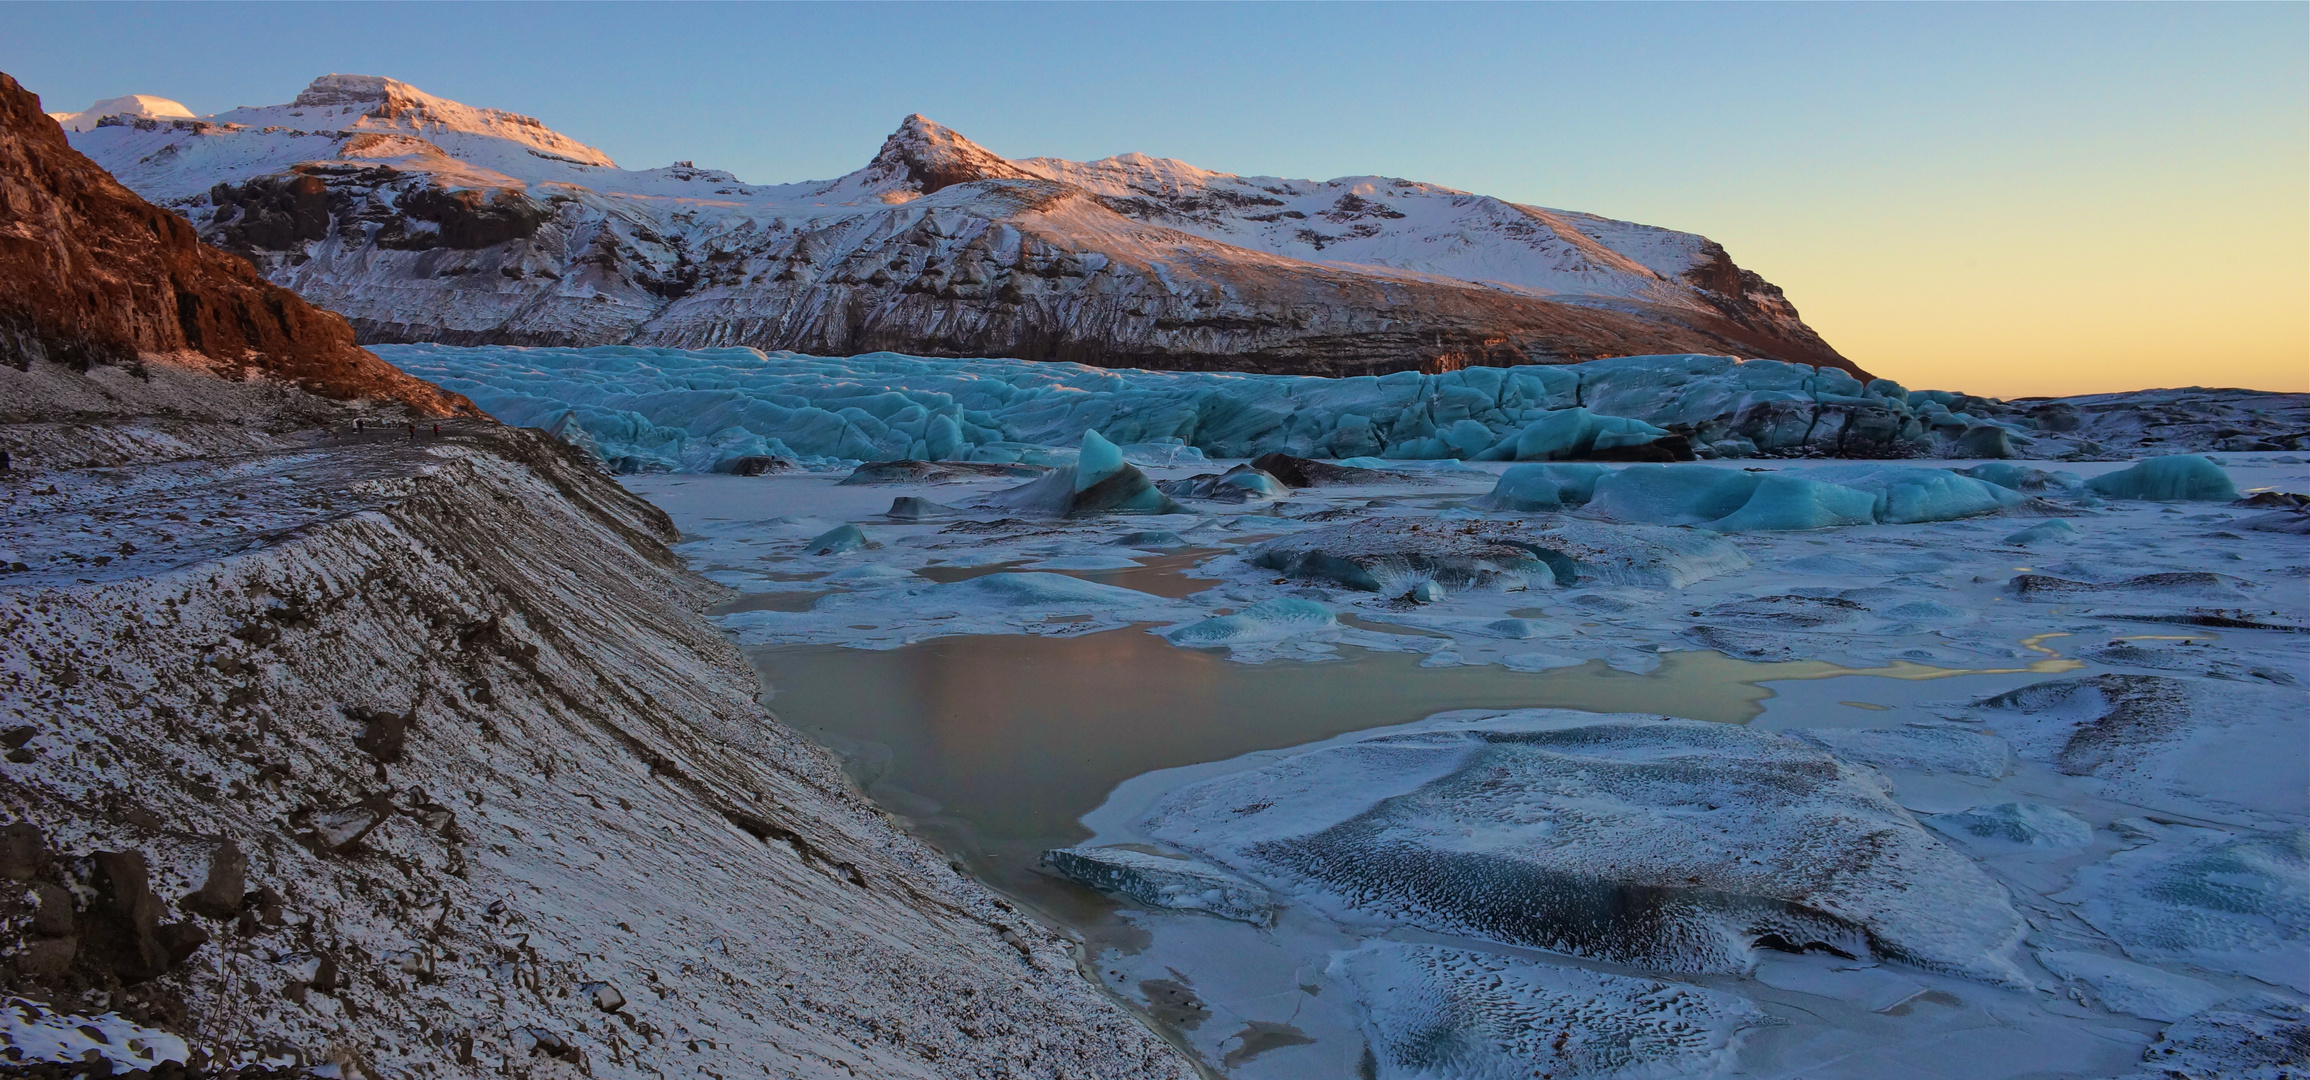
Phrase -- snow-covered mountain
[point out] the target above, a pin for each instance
(422, 219)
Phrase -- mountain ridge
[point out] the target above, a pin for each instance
(426, 220)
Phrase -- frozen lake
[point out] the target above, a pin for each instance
(1008, 683)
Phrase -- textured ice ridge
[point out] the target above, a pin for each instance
(1669, 844)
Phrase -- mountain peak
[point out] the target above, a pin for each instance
(924, 157)
(126, 105)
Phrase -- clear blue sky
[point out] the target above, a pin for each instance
(1952, 193)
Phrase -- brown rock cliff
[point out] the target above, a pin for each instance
(91, 273)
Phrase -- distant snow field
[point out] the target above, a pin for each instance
(2032, 798)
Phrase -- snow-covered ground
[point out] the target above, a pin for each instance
(2027, 795)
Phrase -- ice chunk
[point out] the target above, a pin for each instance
(2229, 904)
(916, 508)
(1669, 844)
(1946, 748)
(1432, 1012)
(1120, 489)
(1239, 484)
(1391, 554)
(1541, 487)
(1907, 494)
(2127, 987)
(1672, 494)
(934, 472)
(1027, 589)
(1267, 620)
(836, 540)
(1165, 882)
(1098, 460)
(2013, 826)
(2180, 477)
(1783, 503)
(2049, 529)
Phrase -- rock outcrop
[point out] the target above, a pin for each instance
(426, 220)
(91, 273)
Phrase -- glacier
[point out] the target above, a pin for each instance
(697, 410)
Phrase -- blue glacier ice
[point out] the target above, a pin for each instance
(1672, 494)
(837, 540)
(1739, 500)
(1573, 432)
(2177, 478)
(1782, 502)
(1906, 493)
(1099, 482)
(1542, 487)
(691, 410)
(1098, 460)
(1267, 620)
(2049, 529)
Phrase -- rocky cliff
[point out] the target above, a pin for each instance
(408, 754)
(91, 273)
(426, 220)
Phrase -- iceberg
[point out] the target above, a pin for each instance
(1177, 883)
(1783, 503)
(1674, 845)
(1432, 1011)
(1099, 482)
(1906, 494)
(1242, 483)
(1672, 494)
(1392, 554)
(1267, 620)
(836, 540)
(1739, 500)
(2179, 478)
(1526, 488)
(2043, 532)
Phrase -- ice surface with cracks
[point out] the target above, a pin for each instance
(1435, 1012)
(1673, 845)
(2238, 904)
(2013, 826)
